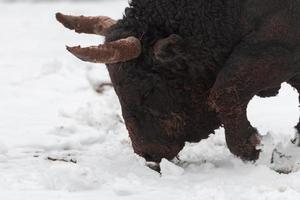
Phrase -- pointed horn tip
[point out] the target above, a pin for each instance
(59, 16)
(71, 49)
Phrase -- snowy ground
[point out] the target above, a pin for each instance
(49, 111)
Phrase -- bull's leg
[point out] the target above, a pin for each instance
(295, 82)
(249, 70)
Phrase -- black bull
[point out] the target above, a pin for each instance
(183, 68)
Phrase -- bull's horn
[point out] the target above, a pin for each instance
(113, 52)
(91, 25)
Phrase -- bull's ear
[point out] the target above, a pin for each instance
(113, 52)
(91, 25)
(168, 49)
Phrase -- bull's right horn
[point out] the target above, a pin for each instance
(112, 52)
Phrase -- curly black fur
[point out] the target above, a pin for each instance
(172, 95)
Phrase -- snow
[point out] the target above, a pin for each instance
(59, 139)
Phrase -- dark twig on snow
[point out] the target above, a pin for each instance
(62, 160)
(101, 87)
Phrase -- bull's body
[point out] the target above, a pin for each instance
(201, 63)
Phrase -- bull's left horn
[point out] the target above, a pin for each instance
(112, 52)
(82, 24)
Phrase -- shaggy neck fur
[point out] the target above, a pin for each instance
(161, 102)
(209, 28)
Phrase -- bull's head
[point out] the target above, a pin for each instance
(162, 101)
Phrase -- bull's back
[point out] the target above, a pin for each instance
(272, 21)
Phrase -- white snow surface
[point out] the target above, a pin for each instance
(49, 110)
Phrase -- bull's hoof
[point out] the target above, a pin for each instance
(167, 50)
(249, 154)
(247, 151)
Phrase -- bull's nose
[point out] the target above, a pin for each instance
(154, 166)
